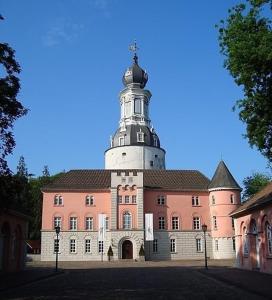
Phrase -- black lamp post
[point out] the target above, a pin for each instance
(57, 229)
(204, 228)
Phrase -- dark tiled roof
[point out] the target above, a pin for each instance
(157, 179)
(81, 179)
(263, 197)
(222, 178)
(175, 180)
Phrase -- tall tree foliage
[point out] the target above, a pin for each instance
(10, 107)
(21, 168)
(254, 183)
(245, 39)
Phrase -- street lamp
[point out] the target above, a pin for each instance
(204, 228)
(57, 229)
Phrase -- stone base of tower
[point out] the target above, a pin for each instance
(135, 157)
(223, 248)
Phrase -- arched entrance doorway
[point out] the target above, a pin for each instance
(127, 250)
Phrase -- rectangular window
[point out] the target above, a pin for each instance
(232, 222)
(89, 200)
(107, 223)
(175, 223)
(56, 246)
(126, 199)
(233, 244)
(130, 179)
(213, 199)
(214, 223)
(137, 106)
(161, 200)
(120, 199)
(123, 179)
(89, 223)
(140, 137)
(151, 163)
(161, 223)
(57, 222)
(100, 246)
(172, 245)
(232, 199)
(121, 141)
(198, 245)
(155, 246)
(58, 200)
(87, 246)
(216, 245)
(72, 246)
(134, 199)
(195, 201)
(196, 223)
(73, 223)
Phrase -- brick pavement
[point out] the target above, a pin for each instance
(252, 285)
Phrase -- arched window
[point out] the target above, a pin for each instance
(127, 220)
(245, 242)
(268, 230)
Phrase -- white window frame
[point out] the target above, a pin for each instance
(121, 141)
(196, 223)
(89, 223)
(155, 246)
(138, 104)
(58, 200)
(73, 246)
(195, 201)
(89, 201)
(216, 245)
(126, 199)
(134, 199)
(56, 241)
(161, 200)
(173, 246)
(57, 221)
(161, 223)
(199, 245)
(73, 223)
(127, 220)
(268, 229)
(175, 223)
(214, 221)
(100, 246)
(88, 247)
(140, 137)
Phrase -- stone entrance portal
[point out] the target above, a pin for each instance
(127, 250)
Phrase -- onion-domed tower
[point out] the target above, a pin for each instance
(135, 144)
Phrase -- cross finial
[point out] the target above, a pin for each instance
(134, 48)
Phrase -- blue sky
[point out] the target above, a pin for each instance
(73, 55)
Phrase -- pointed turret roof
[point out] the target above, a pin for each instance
(222, 178)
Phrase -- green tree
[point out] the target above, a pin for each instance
(245, 39)
(21, 168)
(254, 183)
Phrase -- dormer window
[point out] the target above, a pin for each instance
(140, 137)
(155, 139)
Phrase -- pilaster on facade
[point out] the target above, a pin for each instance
(140, 207)
(114, 211)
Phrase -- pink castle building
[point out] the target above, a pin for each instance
(139, 202)
(253, 228)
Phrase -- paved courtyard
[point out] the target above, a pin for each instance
(141, 280)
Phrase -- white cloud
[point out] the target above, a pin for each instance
(62, 31)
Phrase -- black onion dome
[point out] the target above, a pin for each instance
(130, 135)
(135, 75)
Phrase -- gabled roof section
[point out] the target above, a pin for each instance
(81, 180)
(176, 180)
(222, 178)
(263, 197)
(155, 179)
